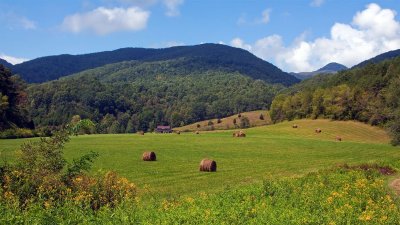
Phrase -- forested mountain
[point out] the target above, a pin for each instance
(13, 101)
(5, 63)
(327, 69)
(380, 58)
(332, 67)
(132, 96)
(369, 94)
(204, 57)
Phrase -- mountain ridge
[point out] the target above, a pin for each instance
(329, 68)
(209, 55)
(379, 58)
(6, 64)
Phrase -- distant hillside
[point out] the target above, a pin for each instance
(330, 68)
(205, 56)
(368, 94)
(133, 96)
(228, 122)
(380, 58)
(6, 64)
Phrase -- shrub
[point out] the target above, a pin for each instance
(210, 123)
(261, 116)
(42, 176)
(18, 133)
(244, 122)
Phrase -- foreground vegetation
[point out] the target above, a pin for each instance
(338, 196)
(276, 174)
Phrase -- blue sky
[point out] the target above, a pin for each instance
(295, 35)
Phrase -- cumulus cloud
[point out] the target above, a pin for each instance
(11, 59)
(107, 20)
(373, 31)
(317, 3)
(172, 7)
(14, 21)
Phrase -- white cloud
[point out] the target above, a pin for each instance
(265, 16)
(11, 59)
(373, 31)
(14, 21)
(317, 3)
(239, 43)
(107, 20)
(172, 7)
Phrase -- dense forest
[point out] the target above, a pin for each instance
(13, 101)
(133, 96)
(369, 94)
(205, 56)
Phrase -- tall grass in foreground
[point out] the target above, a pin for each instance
(343, 195)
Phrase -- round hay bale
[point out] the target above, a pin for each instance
(149, 156)
(141, 132)
(239, 134)
(208, 165)
(295, 126)
(318, 130)
(338, 138)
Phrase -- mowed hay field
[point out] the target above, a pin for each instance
(278, 150)
(227, 122)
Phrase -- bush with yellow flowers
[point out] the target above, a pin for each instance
(42, 176)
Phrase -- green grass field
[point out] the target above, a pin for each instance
(277, 150)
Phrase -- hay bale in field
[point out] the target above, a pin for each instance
(141, 132)
(208, 165)
(318, 130)
(239, 134)
(149, 156)
(295, 126)
(338, 138)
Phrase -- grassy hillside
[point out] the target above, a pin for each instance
(228, 122)
(368, 94)
(278, 149)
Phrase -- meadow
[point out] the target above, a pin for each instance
(276, 150)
